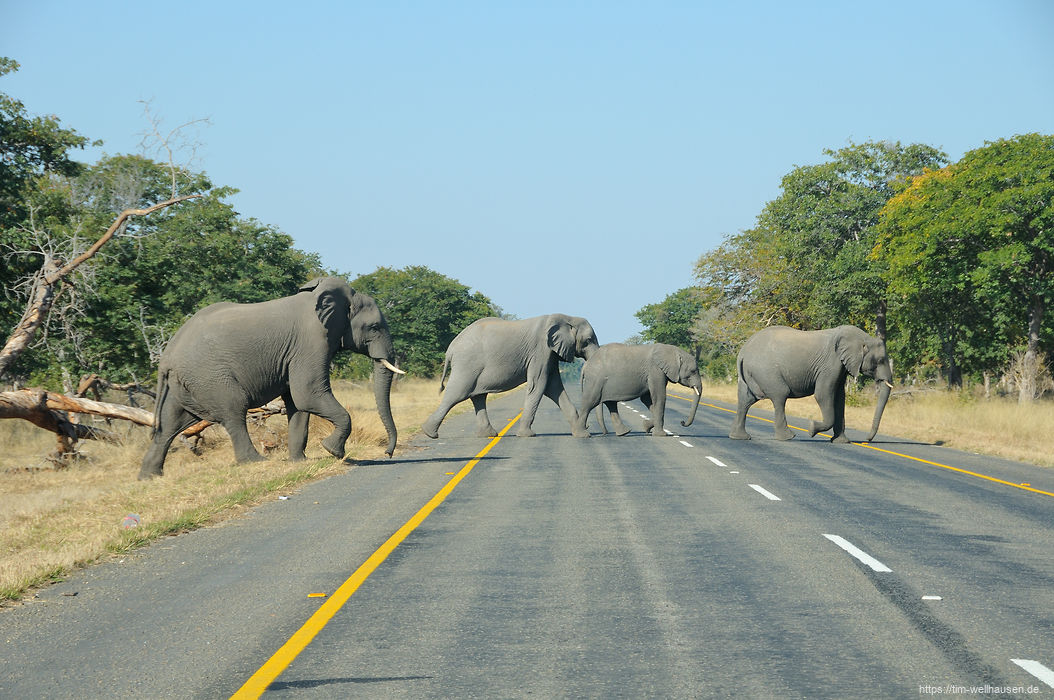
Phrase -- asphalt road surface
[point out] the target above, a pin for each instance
(683, 566)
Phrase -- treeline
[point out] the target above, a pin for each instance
(113, 316)
(951, 263)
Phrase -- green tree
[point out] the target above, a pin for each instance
(148, 280)
(425, 311)
(748, 285)
(672, 321)
(970, 250)
(823, 226)
(31, 148)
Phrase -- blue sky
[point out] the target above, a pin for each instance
(575, 157)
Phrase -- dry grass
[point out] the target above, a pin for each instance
(999, 427)
(52, 521)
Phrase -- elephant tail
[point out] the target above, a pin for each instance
(442, 377)
(162, 395)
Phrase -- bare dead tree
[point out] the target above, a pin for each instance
(174, 141)
(52, 272)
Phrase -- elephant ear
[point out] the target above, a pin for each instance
(851, 351)
(561, 339)
(332, 304)
(669, 361)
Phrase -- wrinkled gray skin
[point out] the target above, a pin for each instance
(229, 358)
(618, 372)
(493, 355)
(779, 363)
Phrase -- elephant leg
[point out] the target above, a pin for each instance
(325, 405)
(298, 424)
(745, 400)
(244, 450)
(530, 409)
(831, 400)
(172, 421)
(779, 406)
(452, 396)
(616, 420)
(484, 427)
(590, 400)
(537, 380)
(838, 429)
(658, 411)
(554, 389)
(649, 422)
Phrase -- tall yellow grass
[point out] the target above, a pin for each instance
(53, 521)
(999, 426)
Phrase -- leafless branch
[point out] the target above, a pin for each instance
(175, 140)
(42, 296)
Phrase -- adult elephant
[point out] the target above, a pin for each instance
(229, 358)
(493, 354)
(618, 372)
(781, 363)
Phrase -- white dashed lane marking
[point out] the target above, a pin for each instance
(764, 493)
(1036, 669)
(716, 461)
(686, 444)
(860, 554)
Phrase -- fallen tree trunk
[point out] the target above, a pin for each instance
(46, 409)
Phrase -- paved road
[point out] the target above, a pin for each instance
(688, 566)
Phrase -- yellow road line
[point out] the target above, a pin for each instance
(956, 469)
(896, 454)
(258, 682)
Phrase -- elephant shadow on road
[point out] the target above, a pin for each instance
(420, 460)
(322, 682)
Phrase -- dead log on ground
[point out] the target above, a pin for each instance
(47, 410)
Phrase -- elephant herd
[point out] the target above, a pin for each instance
(228, 358)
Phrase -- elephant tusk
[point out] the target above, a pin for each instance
(697, 392)
(889, 385)
(391, 367)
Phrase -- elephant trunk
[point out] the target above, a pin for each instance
(382, 390)
(884, 389)
(695, 405)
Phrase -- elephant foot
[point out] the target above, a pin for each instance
(526, 432)
(298, 457)
(487, 431)
(149, 475)
(334, 446)
(784, 435)
(430, 429)
(580, 433)
(648, 426)
(840, 439)
(739, 434)
(658, 432)
(622, 431)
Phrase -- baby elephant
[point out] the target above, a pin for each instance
(617, 372)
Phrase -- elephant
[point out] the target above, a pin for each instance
(229, 357)
(779, 363)
(493, 354)
(618, 372)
